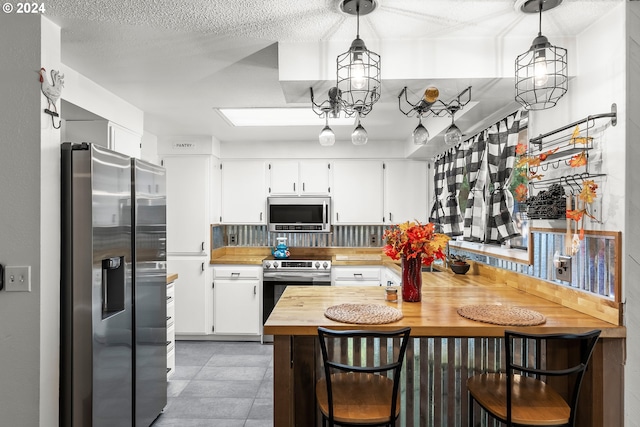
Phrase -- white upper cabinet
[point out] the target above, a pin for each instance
(104, 133)
(243, 192)
(124, 141)
(216, 187)
(405, 191)
(293, 177)
(357, 192)
(188, 221)
(314, 177)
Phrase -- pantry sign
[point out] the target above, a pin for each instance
(184, 146)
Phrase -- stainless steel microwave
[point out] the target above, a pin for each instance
(303, 214)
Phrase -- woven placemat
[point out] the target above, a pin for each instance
(364, 314)
(502, 315)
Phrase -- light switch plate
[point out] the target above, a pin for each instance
(17, 279)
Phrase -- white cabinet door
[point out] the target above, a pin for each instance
(357, 192)
(236, 308)
(193, 295)
(124, 141)
(314, 177)
(188, 220)
(283, 178)
(297, 178)
(355, 276)
(216, 189)
(357, 283)
(243, 192)
(391, 278)
(405, 191)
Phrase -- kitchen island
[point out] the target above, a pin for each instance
(446, 350)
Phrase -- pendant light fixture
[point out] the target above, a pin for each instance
(541, 71)
(359, 135)
(358, 69)
(327, 137)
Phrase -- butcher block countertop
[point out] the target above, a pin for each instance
(480, 276)
(338, 255)
(301, 309)
(172, 277)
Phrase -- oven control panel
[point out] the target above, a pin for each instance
(296, 265)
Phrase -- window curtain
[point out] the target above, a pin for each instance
(476, 210)
(454, 166)
(501, 156)
(437, 212)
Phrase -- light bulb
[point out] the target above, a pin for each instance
(540, 75)
(358, 80)
(359, 135)
(327, 137)
(420, 134)
(453, 135)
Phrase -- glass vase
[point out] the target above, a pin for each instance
(412, 279)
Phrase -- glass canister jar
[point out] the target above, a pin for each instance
(391, 294)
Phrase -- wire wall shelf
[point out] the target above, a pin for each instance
(566, 149)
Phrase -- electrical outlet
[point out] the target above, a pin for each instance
(596, 210)
(373, 240)
(563, 272)
(18, 279)
(233, 239)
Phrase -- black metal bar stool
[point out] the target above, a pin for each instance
(353, 393)
(524, 394)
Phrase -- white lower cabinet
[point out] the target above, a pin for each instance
(193, 295)
(391, 278)
(237, 308)
(355, 276)
(171, 329)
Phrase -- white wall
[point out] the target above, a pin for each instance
(310, 149)
(631, 237)
(86, 94)
(29, 164)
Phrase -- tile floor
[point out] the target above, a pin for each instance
(220, 384)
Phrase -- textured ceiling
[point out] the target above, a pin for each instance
(178, 60)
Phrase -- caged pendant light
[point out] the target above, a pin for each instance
(358, 69)
(541, 71)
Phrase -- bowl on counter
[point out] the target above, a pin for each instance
(460, 268)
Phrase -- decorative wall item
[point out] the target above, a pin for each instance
(52, 92)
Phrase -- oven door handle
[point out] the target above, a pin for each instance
(297, 277)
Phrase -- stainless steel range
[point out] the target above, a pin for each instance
(277, 274)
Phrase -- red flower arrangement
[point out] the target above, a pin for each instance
(413, 240)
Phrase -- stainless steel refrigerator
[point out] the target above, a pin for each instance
(113, 353)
